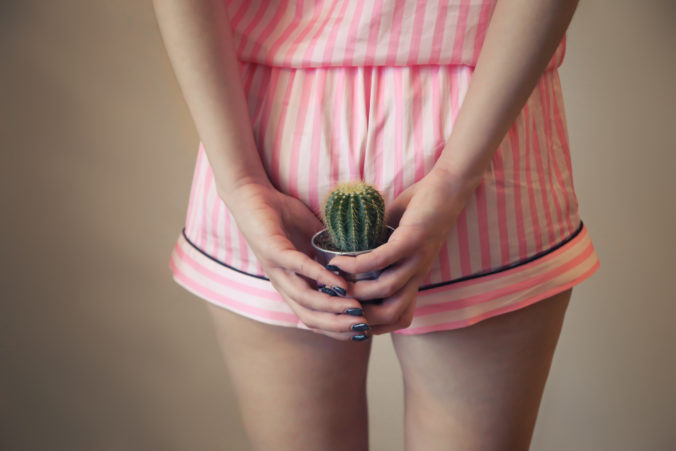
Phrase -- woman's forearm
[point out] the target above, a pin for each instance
(520, 41)
(198, 39)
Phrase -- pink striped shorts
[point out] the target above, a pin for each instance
(518, 240)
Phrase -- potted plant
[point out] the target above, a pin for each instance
(354, 216)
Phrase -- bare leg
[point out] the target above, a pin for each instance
(296, 389)
(479, 387)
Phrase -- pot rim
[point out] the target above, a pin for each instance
(348, 253)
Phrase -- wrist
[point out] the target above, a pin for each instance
(437, 202)
(241, 188)
(455, 186)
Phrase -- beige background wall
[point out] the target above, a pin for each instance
(100, 350)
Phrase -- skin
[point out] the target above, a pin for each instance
(296, 390)
(479, 387)
(473, 388)
(490, 361)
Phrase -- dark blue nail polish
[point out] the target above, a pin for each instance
(332, 268)
(360, 337)
(328, 291)
(354, 311)
(339, 290)
(361, 327)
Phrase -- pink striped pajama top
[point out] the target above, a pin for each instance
(343, 90)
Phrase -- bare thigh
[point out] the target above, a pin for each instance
(479, 387)
(296, 389)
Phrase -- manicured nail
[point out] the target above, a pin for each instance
(361, 327)
(339, 290)
(328, 291)
(332, 268)
(360, 337)
(354, 311)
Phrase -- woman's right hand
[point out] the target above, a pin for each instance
(278, 229)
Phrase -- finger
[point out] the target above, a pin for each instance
(401, 244)
(392, 309)
(295, 287)
(326, 322)
(317, 319)
(388, 283)
(310, 226)
(397, 208)
(401, 323)
(300, 263)
(342, 336)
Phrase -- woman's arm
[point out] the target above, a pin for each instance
(277, 227)
(520, 40)
(198, 39)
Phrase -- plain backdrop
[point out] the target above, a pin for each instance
(101, 350)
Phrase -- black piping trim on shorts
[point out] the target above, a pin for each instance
(510, 266)
(218, 261)
(426, 287)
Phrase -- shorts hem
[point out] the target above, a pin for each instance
(423, 287)
(444, 306)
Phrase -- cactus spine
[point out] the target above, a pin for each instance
(354, 215)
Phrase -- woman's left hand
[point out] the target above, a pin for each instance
(422, 215)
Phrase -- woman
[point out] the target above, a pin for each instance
(476, 178)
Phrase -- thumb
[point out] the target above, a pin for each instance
(394, 213)
(309, 222)
(396, 209)
(305, 223)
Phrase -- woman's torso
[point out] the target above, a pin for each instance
(321, 33)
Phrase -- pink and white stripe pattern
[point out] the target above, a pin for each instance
(450, 306)
(318, 33)
(519, 238)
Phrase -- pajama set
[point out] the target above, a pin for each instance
(350, 89)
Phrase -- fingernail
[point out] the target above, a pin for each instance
(339, 290)
(332, 268)
(328, 291)
(361, 327)
(361, 337)
(354, 311)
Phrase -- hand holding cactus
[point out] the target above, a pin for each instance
(423, 214)
(277, 227)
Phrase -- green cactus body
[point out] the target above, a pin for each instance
(354, 215)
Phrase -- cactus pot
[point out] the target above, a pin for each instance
(326, 252)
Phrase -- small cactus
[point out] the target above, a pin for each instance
(354, 214)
